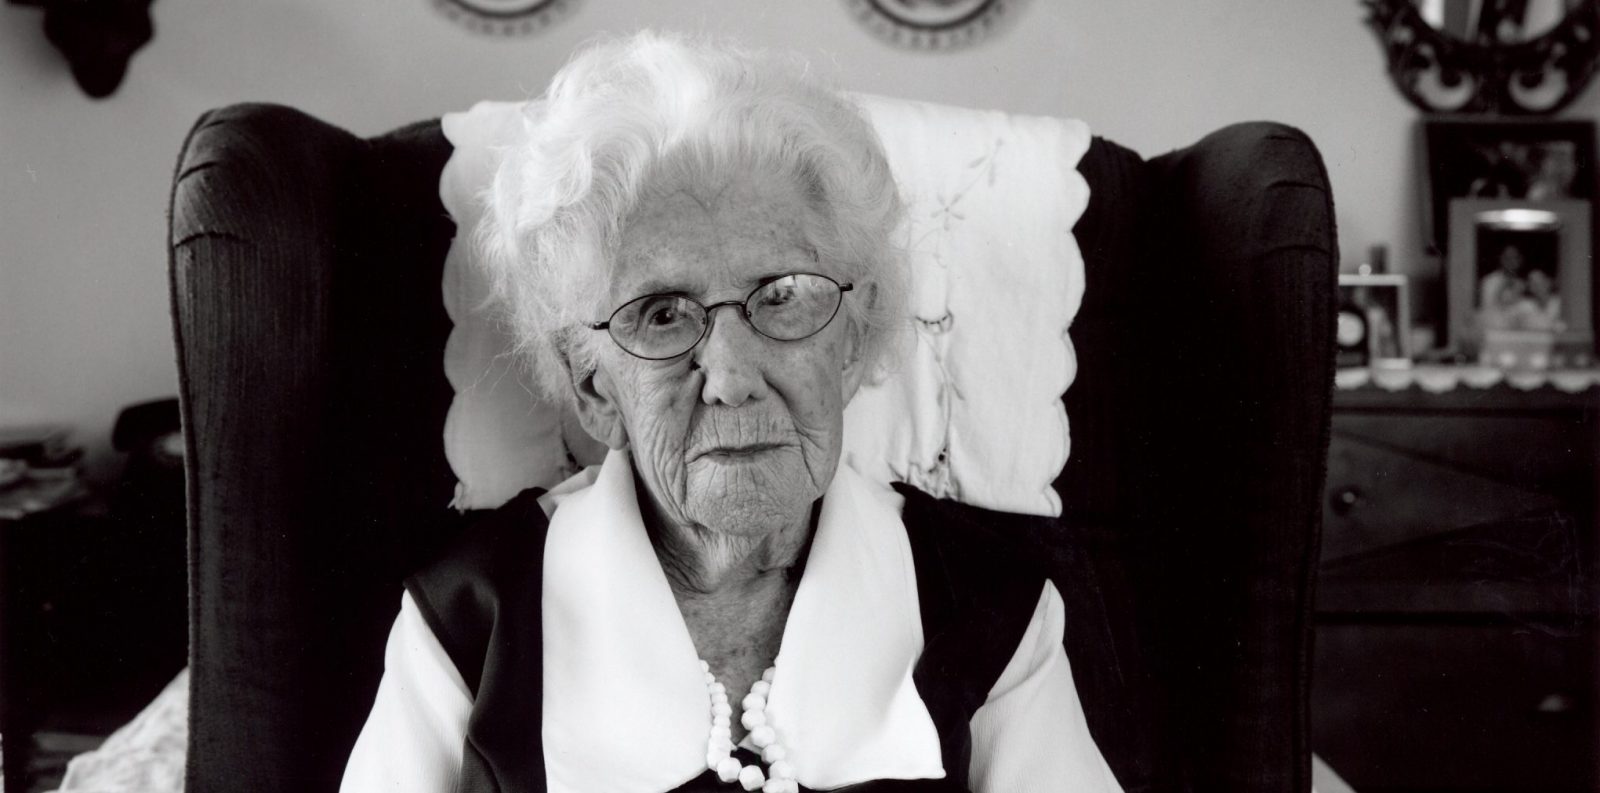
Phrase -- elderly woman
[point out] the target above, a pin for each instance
(693, 244)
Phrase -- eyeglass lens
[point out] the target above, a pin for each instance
(666, 326)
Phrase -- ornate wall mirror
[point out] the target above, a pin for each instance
(1512, 57)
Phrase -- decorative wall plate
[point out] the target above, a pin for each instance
(503, 17)
(931, 24)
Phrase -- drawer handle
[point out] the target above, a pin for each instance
(1343, 500)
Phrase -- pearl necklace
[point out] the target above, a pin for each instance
(719, 748)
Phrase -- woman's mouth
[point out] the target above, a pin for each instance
(736, 453)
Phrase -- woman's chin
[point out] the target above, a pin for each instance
(748, 493)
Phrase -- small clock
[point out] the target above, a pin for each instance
(1352, 329)
(1351, 334)
(1373, 323)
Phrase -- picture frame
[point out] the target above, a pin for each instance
(1374, 321)
(1520, 281)
(1525, 160)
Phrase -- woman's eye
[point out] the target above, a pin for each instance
(656, 313)
(778, 296)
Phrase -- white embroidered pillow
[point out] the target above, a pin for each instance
(973, 412)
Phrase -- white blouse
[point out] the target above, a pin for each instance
(625, 702)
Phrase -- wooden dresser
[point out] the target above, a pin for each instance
(1456, 645)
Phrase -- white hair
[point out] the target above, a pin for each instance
(653, 108)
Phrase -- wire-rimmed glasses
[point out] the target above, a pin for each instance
(786, 308)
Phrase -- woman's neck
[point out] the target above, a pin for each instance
(734, 591)
(703, 563)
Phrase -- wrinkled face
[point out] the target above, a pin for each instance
(1540, 284)
(741, 434)
(1511, 259)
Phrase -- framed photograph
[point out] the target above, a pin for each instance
(1529, 160)
(1520, 279)
(1374, 321)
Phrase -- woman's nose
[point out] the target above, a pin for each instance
(729, 356)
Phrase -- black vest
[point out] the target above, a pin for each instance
(482, 600)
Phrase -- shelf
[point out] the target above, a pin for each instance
(1466, 388)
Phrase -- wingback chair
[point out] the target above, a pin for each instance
(306, 265)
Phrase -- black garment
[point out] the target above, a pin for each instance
(482, 601)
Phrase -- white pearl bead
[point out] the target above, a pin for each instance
(751, 778)
(779, 777)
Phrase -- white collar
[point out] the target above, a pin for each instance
(625, 707)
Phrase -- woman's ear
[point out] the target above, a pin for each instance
(597, 410)
(855, 370)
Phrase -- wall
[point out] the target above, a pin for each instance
(84, 325)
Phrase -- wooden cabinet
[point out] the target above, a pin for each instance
(1457, 645)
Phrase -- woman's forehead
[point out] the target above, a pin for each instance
(735, 237)
(694, 277)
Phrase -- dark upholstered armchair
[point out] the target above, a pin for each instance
(306, 299)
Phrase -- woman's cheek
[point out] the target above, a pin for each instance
(662, 405)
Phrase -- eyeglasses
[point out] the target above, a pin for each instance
(787, 308)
